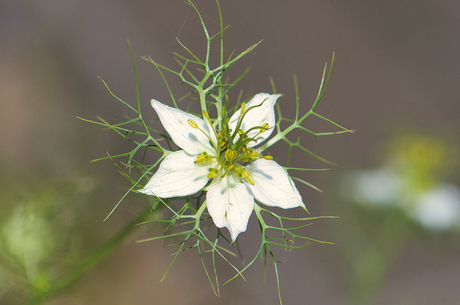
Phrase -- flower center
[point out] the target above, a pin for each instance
(231, 148)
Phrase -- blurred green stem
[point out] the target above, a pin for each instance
(372, 261)
(74, 274)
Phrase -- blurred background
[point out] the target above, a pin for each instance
(395, 186)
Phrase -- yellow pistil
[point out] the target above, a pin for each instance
(230, 155)
(249, 155)
(223, 144)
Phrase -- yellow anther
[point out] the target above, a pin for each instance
(240, 132)
(249, 178)
(243, 173)
(212, 172)
(192, 123)
(243, 108)
(268, 157)
(199, 160)
(203, 158)
(206, 115)
(264, 127)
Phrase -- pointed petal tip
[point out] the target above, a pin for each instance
(176, 123)
(157, 105)
(268, 95)
(234, 234)
(146, 191)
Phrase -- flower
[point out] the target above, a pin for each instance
(439, 208)
(436, 208)
(238, 173)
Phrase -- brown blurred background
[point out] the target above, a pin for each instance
(396, 69)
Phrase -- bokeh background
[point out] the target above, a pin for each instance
(395, 82)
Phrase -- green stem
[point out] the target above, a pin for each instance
(74, 274)
(257, 210)
(198, 214)
(280, 135)
(374, 261)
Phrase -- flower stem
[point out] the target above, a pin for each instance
(74, 274)
(198, 214)
(373, 261)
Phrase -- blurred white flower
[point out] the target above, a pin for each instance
(380, 186)
(439, 208)
(436, 208)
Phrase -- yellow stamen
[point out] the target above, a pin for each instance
(243, 173)
(249, 178)
(192, 123)
(212, 172)
(203, 158)
(243, 108)
(264, 127)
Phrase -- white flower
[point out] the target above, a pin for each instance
(377, 187)
(239, 174)
(438, 208)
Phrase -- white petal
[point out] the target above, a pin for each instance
(192, 140)
(438, 208)
(230, 205)
(177, 176)
(257, 116)
(273, 186)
